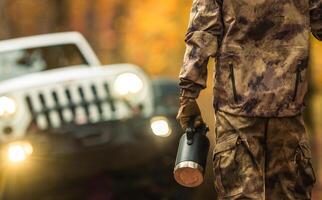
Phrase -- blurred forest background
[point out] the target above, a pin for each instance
(148, 33)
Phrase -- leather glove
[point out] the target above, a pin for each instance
(189, 110)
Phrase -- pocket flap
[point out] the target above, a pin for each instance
(226, 144)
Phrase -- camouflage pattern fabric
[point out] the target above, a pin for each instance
(262, 158)
(261, 49)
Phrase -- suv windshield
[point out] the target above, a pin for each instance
(24, 61)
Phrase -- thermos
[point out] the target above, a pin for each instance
(192, 155)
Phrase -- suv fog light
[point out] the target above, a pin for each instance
(19, 151)
(160, 126)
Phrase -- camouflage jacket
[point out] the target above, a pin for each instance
(261, 49)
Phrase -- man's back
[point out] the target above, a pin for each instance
(262, 49)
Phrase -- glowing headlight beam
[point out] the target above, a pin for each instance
(19, 151)
(160, 126)
(7, 106)
(128, 83)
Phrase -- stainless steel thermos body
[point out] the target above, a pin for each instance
(191, 158)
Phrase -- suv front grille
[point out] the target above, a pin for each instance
(74, 104)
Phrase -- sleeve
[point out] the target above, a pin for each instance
(316, 18)
(202, 40)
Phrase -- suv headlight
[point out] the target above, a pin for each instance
(8, 106)
(127, 84)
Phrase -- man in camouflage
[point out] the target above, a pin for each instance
(261, 49)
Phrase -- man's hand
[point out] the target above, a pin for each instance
(189, 110)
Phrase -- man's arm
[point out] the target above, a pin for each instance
(204, 33)
(316, 18)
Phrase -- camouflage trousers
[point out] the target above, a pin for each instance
(262, 158)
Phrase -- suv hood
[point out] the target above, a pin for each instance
(58, 76)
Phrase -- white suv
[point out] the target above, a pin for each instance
(57, 99)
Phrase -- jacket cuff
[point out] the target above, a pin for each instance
(193, 94)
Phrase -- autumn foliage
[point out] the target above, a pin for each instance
(147, 33)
